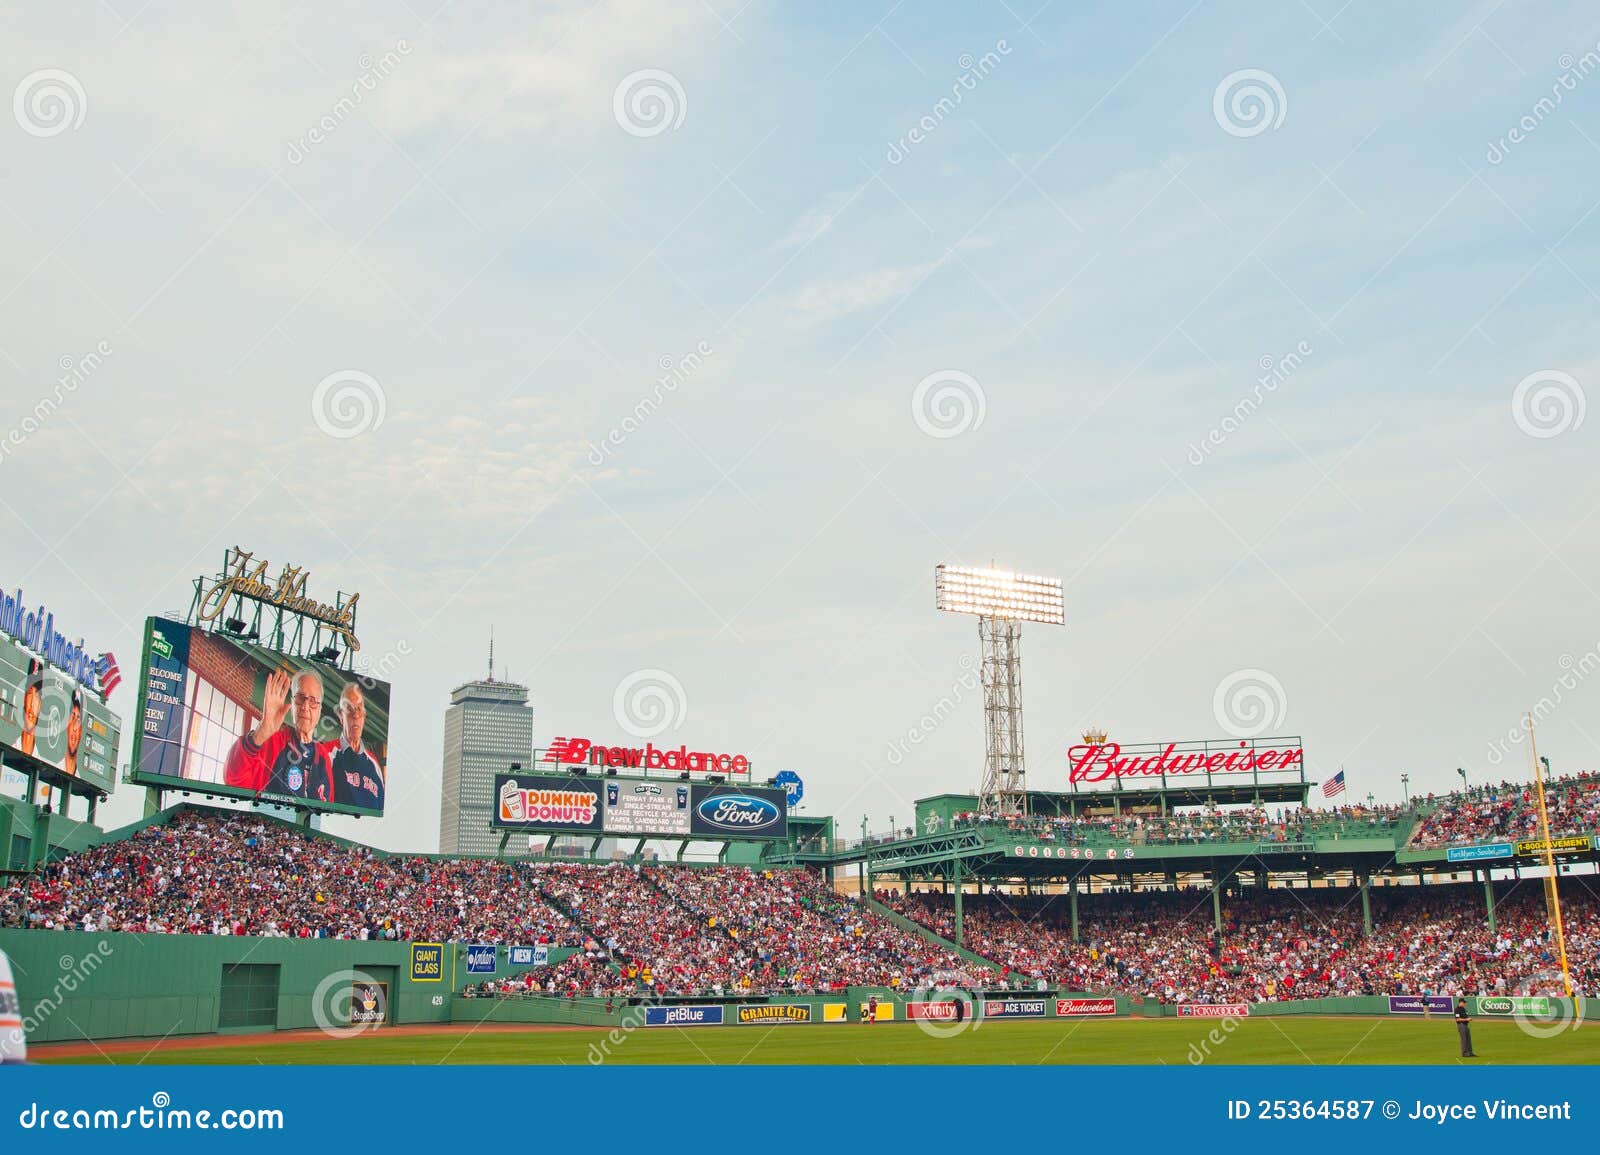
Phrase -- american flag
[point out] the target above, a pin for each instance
(110, 676)
(1334, 785)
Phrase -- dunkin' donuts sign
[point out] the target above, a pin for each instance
(1149, 764)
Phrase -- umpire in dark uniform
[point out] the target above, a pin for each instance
(1464, 1029)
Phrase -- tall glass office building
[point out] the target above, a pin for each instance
(487, 727)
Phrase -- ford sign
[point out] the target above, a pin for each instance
(739, 813)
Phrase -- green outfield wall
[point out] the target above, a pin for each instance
(74, 986)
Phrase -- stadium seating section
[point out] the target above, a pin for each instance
(623, 928)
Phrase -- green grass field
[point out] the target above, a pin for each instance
(1277, 1040)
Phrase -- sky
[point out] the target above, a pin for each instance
(678, 343)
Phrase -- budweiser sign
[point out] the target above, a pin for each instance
(1107, 761)
(585, 752)
(1085, 1008)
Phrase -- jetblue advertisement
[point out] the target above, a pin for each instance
(728, 811)
(683, 1016)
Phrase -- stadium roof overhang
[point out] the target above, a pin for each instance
(1102, 801)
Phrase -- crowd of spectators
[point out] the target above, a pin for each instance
(630, 929)
(1279, 943)
(791, 932)
(206, 873)
(1508, 811)
(1210, 824)
(634, 929)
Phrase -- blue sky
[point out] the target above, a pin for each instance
(1092, 248)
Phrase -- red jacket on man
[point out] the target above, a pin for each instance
(282, 765)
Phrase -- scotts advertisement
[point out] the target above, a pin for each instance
(1414, 1004)
(738, 812)
(645, 807)
(1534, 1006)
(1279, 759)
(588, 752)
(775, 1014)
(1213, 1010)
(683, 1016)
(1085, 1008)
(546, 802)
(1013, 1008)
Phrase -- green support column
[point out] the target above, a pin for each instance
(1488, 899)
(1366, 904)
(1072, 895)
(1216, 899)
(955, 873)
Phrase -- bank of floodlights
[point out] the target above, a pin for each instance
(991, 593)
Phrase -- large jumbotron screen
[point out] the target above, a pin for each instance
(44, 714)
(229, 717)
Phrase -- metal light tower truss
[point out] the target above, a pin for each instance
(1002, 601)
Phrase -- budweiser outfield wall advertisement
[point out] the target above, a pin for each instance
(1085, 1008)
(1229, 762)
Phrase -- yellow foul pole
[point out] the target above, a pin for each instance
(1552, 900)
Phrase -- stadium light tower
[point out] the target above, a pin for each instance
(1002, 601)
